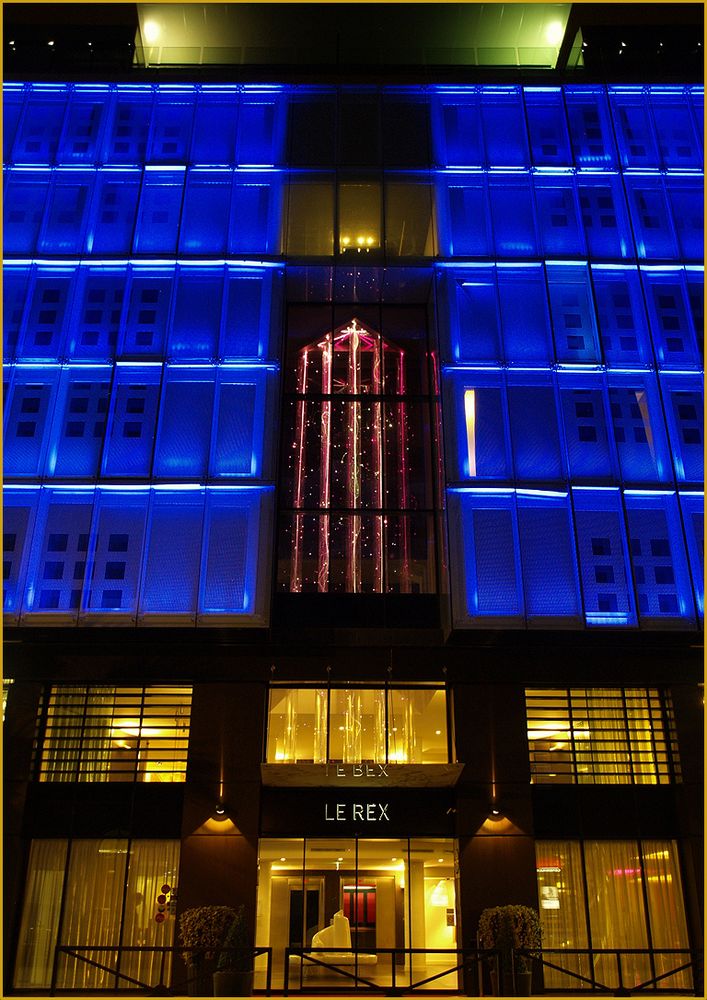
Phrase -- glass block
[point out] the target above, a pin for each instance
(231, 574)
(196, 318)
(79, 426)
(131, 423)
(129, 128)
(477, 429)
(590, 127)
(634, 127)
(19, 511)
(471, 308)
(546, 539)
(468, 227)
(683, 403)
(621, 316)
(535, 430)
(512, 215)
(29, 414)
(695, 277)
(310, 216)
(147, 316)
(255, 214)
(86, 117)
(160, 212)
(237, 449)
(15, 284)
(405, 131)
(115, 553)
(660, 574)
(207, 204)
(584, 412)
(247, 314)
(686, 198)
(603, 558)
(25, 197)
(359, 128)
(172, 121)
(261, 128)
(182, 451)
(215, 121)
(66, 213)
(38, 132)
(604, 216)
(96, 314)
(170, 583)
(525, 318)
(650, 215)
(503, 120)
(670, 317)
(311, 129)
(697, 101)
(559, 226)
(638, 429)
(547, 127)
(572, 310)
(693, 516)
(459, 138)
(13, 100)
(49, 300)
(409, 227)
(112, 224)
(674, 124)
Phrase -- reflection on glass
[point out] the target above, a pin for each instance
(359, 217)
(310, 218)
(402, 726)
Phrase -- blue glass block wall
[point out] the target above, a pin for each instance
(142, 316)
(569, 305)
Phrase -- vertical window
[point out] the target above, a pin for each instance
(58, 565)
(112, 224)
(97, 314)
(80, 423)
(131, 428)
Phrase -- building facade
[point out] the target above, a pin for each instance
(353, 527)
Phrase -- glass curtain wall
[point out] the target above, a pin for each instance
(366, 902)
(611, 894)
(98, 893)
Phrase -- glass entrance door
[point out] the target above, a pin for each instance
(350, 913)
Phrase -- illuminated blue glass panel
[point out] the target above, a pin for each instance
(504, 127)
(229, 568)
(670, 318)
(115, 555)
(585, 421)
(29, 415)
(246, 324)
(660, 574)
(525, 319)
(459, 139)
(14, 297)
(25, 197)
(171, 126)
(196, 318)
(696, 296)
(547, 127)
(603, 558)
(535, 432)
(113, 217)
(88, 111)
(683, 403)
(475, 333)
(686, 197)
(572, 309)
(558, 216)
(131, 424)
(13, 100)
(590, 127)
(96, 314)
(697, 99)
(693, 516)
(43, 337)
(170, 583)
(57, 565)
(39, 130)
(621, 315)
(469, 225)
(512, 215)
(604, 216)
(207, 205)
(149, 302)
(182, 450)
(677, 140)
(214, 137)
(546, 539)
(477, 436)
(238, 445)
(160, 211)
(638, 429)
(66, 213)
(650, 216)
(253, 215)
(79, 427)
(261, 130)
(129, 128)
(19, 509)
(633, 127)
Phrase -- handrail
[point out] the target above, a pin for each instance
(161, 988)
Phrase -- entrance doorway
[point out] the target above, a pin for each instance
(384, 910)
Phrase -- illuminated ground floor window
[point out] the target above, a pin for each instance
(368, 902)
(603, 894)
(102, 894)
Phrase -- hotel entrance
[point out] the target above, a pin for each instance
(354, 912)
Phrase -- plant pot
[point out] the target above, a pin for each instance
(233, 984)
(200, 982)
(523, 983)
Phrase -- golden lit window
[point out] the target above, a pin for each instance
(600, 736)
(101, 733)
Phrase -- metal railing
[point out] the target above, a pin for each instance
(82, 953)
(681, 961)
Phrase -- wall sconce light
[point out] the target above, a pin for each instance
(495, 811)
(220, 809)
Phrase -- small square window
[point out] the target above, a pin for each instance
(57, 543)
(668, 604)
(111, 599)
(118, 543)
(604, 574)
(115, 571)
(660, 547)
(53, 570)
(664, 574)
(601, 547)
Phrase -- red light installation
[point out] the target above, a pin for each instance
(343, 432)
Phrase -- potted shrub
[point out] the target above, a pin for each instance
(506, 928)
(202, 930)
(234, 969)
(527, 934)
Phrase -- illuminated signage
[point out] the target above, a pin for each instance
(364, 812)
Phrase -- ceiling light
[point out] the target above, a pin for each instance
(438, 732)
(50, 44)
(440, 860)
(151, 31)
(283, 859)
(554, 32)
